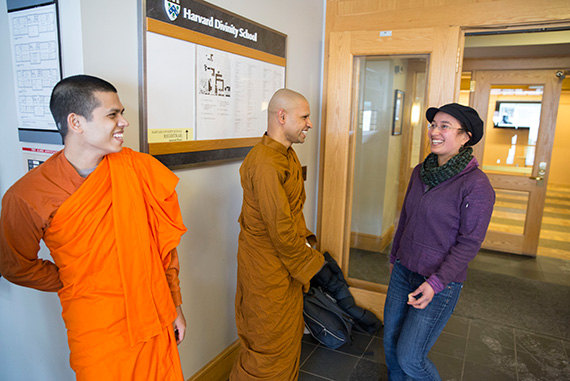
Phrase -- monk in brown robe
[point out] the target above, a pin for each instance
(111, 220)
(275, 257)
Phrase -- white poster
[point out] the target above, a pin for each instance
(233, 93)
(35, 52)
(170, 89)
(199, 93)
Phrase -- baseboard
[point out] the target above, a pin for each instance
(371, 300)
(371, 242)
(220, 367)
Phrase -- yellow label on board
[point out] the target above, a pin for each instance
(165, 135)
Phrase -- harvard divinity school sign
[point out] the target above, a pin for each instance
(205, 18)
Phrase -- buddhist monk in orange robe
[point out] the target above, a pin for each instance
(275, 257)
(111, 220)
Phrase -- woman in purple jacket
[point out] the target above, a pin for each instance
(443, 222)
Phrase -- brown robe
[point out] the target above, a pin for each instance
(274, 264)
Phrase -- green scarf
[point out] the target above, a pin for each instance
(432, 174)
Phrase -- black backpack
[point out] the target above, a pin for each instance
(331, 280)
(326, 321)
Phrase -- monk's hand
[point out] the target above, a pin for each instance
(179, 326)
(421, 297)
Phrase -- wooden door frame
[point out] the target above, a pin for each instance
(445, 48)
(519, 63)
(526, 243)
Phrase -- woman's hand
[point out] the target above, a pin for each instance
(427, 294)
(179, 326)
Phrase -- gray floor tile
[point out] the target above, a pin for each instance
(375, 351)
(369, 371)
(306, 350)
(449, 368)
(495, 259)
(450, 345)
(541, 356)
(564, 332)
(490, 354)
(380, 332)
(478, 372)
(523, 273)
(538, 345)
(330, 364)
(531, 367)
(304, 376)
(457, 325)
(555, 270)
(358, 345)
(492, 334)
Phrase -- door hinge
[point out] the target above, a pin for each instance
(472, 86)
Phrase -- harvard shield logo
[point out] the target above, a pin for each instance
(172, 9)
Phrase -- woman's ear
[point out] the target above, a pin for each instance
(468, 136)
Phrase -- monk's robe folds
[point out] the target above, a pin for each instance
(112, 241)
(274, 264)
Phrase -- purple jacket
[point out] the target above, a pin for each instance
(441, 230)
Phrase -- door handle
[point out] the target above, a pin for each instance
(537, 178)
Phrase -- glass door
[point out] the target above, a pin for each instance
(519, 108)
(385, 139)
(376, 90)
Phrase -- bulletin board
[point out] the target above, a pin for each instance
(36, 62)
(208, 77)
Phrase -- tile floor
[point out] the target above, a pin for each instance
(471, 349)
(468, 349)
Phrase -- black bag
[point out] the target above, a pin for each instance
(331, 281)
(326, 321)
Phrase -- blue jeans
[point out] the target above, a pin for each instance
(409, 333)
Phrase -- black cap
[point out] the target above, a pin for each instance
(466, 115)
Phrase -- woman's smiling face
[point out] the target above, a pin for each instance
(446, 136)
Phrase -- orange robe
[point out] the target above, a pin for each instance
(274, 264)
(113, 239)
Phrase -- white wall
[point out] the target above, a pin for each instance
(33, 341)
(101, 38)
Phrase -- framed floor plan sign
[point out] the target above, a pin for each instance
(208, 75)
(34, 35)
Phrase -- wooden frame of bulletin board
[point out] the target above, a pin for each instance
(207, 76)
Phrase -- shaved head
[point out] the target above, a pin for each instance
(284, 99)
(288, 117)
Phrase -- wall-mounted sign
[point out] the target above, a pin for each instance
(210, 20)
(37, 68)
(209, 75)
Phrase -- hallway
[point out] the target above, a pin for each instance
(555, 230)
(554, 240)
(491, 336)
